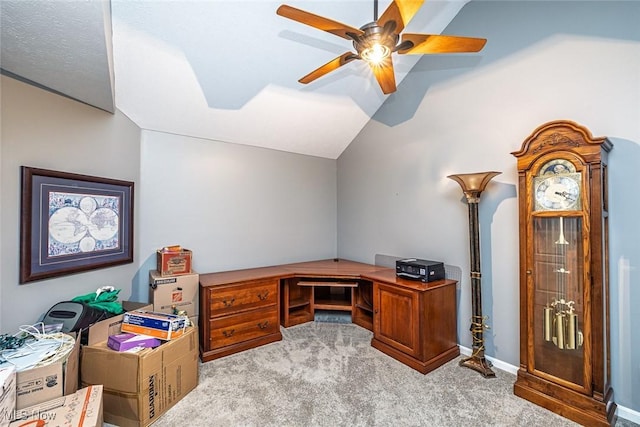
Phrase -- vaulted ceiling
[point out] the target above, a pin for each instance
(223, 70)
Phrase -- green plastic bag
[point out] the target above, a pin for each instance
(105, 299)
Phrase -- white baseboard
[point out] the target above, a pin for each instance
(503, 366)
(626, 413)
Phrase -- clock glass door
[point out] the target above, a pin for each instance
(558, 298)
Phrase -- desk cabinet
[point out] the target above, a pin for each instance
(238, 316)
(415, 323)
(396, 318)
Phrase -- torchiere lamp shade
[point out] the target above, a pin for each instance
(473, 183)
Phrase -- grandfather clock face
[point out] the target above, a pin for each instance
(558, 187)
(558, 275)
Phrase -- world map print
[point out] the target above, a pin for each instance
(80, 223)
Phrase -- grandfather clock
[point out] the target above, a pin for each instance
(564, 274)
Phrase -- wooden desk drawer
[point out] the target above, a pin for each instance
(246, 296)
(242, 327)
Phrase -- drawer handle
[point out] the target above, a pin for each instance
(228, 303)
(229, 334)
(263, 296)
(263, 325)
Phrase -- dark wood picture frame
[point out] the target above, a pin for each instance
(71, 223)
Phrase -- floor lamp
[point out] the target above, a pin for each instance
(472, 185)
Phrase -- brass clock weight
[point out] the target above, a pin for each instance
(564, 276)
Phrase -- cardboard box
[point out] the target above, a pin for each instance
(169, 293)
(125, 342)
(81, 409)
(7, 394)
(170, 263)
(100, 331)
(158, 325)
(37, 385)
(139, 387)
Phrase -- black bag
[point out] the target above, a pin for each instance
(73, 315)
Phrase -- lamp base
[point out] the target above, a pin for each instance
(480, 364)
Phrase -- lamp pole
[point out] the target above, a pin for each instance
(472, 186)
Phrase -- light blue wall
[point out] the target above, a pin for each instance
(44, 130)
(543, 61)
(234, 206)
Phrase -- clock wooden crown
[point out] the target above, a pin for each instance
(558, 135)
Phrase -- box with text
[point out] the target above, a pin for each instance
(7, 394)
(170, 294)
(80, 409)
(39, 384)
(141, 386)
(173, 262)
(158, 325)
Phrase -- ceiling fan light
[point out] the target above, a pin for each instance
(375, 53)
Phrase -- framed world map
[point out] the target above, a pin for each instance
(72, 223)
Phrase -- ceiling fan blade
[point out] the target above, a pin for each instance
(328, 67)
(334, 27)
(401, 12)
(415, 44)
(384, 75)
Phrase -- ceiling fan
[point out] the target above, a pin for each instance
(376, 41)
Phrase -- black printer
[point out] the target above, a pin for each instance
(420, 269)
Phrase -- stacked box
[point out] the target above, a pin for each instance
(40, 384)
(170, 263)
(139, 387)
(174, 294)
(126, 342)
(81, 409)
(158, 325)
(7, 393)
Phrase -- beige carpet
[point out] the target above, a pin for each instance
(327, 374)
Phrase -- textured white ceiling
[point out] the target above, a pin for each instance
(64, 46)
(219, 70)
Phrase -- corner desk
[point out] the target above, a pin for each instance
(411, 321)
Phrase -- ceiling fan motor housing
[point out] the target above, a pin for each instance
(373, 35)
